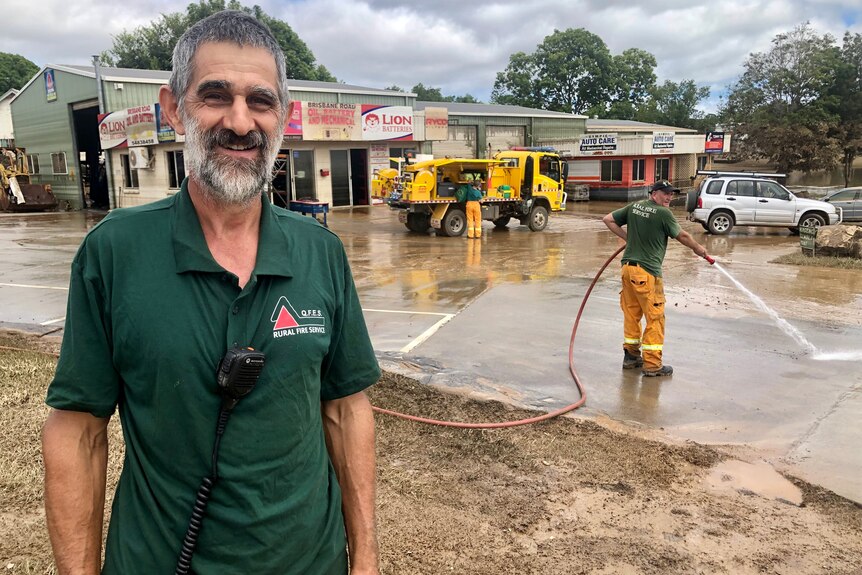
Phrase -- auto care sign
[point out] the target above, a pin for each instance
(598, 144)
(387, 122)
(662, 141)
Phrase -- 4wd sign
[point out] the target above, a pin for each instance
(807, 238)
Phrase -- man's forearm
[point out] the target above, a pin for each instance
(688, 241)
(349, 426)
(75, 451)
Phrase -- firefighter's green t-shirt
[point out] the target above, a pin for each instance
(648, 226)
(150, 315)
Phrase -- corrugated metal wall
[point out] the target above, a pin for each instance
(45, 127)
(130, 95)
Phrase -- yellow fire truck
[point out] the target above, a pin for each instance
(523, 183)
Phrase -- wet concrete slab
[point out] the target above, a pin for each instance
(493, 318)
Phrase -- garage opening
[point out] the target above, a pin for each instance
(93, 180)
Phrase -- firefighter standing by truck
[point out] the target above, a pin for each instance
(473, 195)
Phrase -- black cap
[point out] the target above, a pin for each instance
(663, 186)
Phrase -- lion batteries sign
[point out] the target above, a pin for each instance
(387, 122)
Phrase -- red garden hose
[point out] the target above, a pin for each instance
(550, 415)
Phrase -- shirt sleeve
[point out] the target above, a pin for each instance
(621, 215)
(350, 365)
(671, 226)
(85, 379)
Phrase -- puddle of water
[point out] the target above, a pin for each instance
(757, 478)
(780, 321)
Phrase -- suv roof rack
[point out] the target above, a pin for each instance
(740, 174)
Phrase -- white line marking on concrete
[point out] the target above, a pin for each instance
(407, 312)
(34, 287)
(50, 321)
(427, 333)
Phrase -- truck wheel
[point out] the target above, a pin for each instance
(419, 223)
(502, 222)
(454, 222)
(720, 223)
(538, 218)
(691, 201)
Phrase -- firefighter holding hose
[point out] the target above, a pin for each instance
(645, 226)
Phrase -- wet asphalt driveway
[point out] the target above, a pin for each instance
(493, 318)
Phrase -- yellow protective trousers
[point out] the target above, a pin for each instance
(643, 296)
(474, 220)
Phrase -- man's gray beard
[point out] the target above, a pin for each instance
(226, 180)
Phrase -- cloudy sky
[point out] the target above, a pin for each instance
(457, 45)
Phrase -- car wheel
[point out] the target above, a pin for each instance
(704, 226)
(502, 222)
(454, 222)
(538, 218)
(691, 201)
(812, 221)
(720, 223)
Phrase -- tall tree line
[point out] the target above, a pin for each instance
(573, 71)
(799, 104)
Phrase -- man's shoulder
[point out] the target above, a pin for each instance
(139, 222)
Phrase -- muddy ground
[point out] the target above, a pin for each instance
(567, 496)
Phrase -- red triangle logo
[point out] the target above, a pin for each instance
(285, 320)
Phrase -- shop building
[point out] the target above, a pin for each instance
(621, 159)
(337, 136)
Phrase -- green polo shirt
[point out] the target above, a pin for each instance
(648, 226)
(150, 316)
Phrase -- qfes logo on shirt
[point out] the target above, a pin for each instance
(287, 321)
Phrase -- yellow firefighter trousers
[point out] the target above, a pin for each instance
(474, 220)
(643, 296)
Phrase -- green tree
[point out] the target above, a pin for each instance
(633, 83)
(674, 104)
(570, 71)
(15, 71)
(428, 94)
(150, 47)
(780, 107)
(847, 103)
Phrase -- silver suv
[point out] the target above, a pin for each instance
(727, 199)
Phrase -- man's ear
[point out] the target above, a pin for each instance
(170, 108)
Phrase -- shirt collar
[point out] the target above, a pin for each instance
(191, 252)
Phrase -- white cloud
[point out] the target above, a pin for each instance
(455, 45)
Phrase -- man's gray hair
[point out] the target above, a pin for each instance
(226, 26)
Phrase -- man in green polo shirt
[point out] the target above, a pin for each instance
(648, 224)
(158, 294)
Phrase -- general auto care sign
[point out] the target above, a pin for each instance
(662, 141)
(598, 144)
(387, 122)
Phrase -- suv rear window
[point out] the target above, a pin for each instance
(714, 187)
(740, 188)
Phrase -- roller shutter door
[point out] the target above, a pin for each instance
(585, 169)
(505, 137)
(461, 143)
